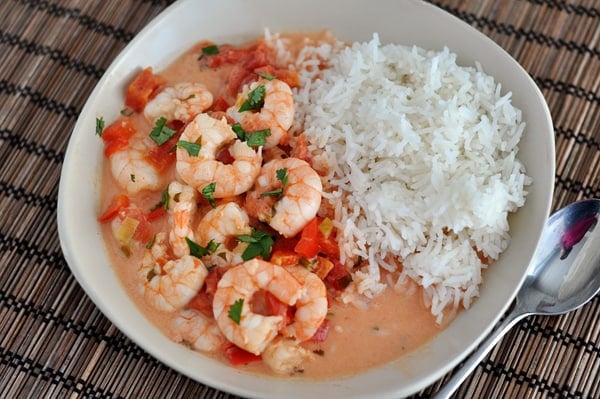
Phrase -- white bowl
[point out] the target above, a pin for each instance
(401, 22)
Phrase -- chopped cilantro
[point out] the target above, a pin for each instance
(256, 99)
(193, 149)
(132, 177)
(150, 243)
(198, 250)
(258, 138)
(208, 193)
(161, 133)
(239, 131)
(210, 50)
(164, 200)
(259, 244)
(99, 126)
(282, 176)
(253, 139)
(266, 76)
(235, 310)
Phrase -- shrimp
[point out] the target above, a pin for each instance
(181, 102)
(253, 332)
(203, 169)
(284, 356)
(299, 201)
(221, 225)
(200, 332)
(182, 208)
(131, 169)
(311, 307)
(167, 284)
(276, 114)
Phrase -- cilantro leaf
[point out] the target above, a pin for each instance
(208, 193)
(282, 176)
(193, 149)
(210, 50)
(99, 126)
(161, 133)
(235, 310)
(259, 244)
(198, 250)
(253, 139)
(258, 138)
(266, 76)
(256, 99)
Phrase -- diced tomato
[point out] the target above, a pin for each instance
(122, 128)
(322, 332)
(237, 356)
(141, 90)
(338, 277)
(284, 257)
(329, 246)
(237, 78)
(212, 279)
(202, 302)
(118, 203)
(143, 232)
(116, 136)
(219, 105)
(163, 156)
(156, 213)
(275, 307)
(308, 245)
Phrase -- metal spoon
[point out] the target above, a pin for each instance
(563, 275)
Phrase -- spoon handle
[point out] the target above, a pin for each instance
(477, 356)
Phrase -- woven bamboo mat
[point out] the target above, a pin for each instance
(55, 343)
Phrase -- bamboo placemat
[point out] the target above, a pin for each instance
(55, 343)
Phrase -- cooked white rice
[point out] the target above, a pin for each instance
(423, 163)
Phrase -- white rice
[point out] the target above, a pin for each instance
(423, 164)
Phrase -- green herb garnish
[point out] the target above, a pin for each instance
(198, 250)
(208, 193)
(282, 176)
(99, 126)
(256, 99)
(161, 133)
(266, 76)
(253, 139)
(259, 244)
(193, 149)
(210, 50)
(235, 310)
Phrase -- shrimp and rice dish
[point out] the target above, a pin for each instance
(279, 204)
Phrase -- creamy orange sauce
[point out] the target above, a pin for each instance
(395, 323)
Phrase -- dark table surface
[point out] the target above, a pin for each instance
(55, 343)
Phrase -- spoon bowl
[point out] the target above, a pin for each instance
(564, 275)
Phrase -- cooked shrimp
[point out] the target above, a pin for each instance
(203, 169)
(197, 330)
(299, 201)
(253, 332)
(181, 102)
(182, 208)
(284, 356)
(222, 225)
(131, 169)
(276, 114)
(169, 284)
(311, 307)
